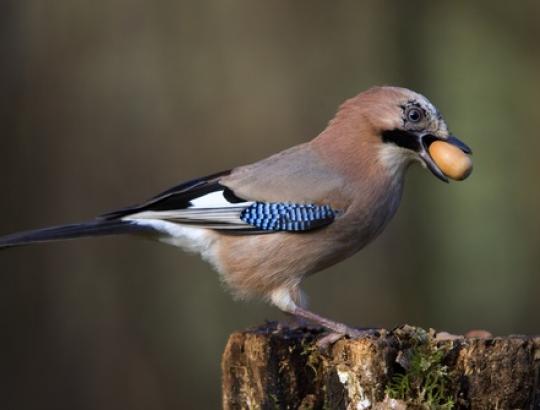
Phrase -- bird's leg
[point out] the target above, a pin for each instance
(338, 330)
(300, 300)
(336, 327)
(295, 322)
(283, 299)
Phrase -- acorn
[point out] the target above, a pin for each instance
(451, 160)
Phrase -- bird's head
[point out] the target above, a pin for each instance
(402, 124)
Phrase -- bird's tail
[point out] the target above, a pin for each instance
(54, 233)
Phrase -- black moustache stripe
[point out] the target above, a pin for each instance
(402, 139)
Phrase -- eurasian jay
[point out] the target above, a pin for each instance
(266, 226)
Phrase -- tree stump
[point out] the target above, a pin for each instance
(407, 368)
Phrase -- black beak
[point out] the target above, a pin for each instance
(460, 144)
(426, 140)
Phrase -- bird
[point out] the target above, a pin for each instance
(268, 225)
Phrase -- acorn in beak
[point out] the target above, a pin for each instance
(445, 157)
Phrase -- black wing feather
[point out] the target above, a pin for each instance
(72, 231)
(177, 197)
(178, 205)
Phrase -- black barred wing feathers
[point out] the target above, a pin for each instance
(277, 216)
(203, 203)
(208, 204)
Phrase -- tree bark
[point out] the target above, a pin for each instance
(408, 368)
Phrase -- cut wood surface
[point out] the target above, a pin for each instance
(271, 367)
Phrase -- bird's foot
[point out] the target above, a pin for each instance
(330, 338)
(337, 328)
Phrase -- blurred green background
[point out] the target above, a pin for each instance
(105, 103)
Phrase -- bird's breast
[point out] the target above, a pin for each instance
(256, 264)
(369, 212)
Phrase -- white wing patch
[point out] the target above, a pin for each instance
(211, 210)
(213, 200)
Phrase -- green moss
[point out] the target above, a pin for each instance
(314, 357)
(425, 381)
(275, 400)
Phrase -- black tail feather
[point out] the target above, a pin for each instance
(92, 228)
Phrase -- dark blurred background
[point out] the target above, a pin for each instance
(105, 103)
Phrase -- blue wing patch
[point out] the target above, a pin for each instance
(284, 216)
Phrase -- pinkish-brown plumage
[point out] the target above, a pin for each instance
(356, 166)
(341, 167)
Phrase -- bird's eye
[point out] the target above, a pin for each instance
(414, 115)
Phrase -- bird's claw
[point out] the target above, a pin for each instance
(328, 339)
(332, 337)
